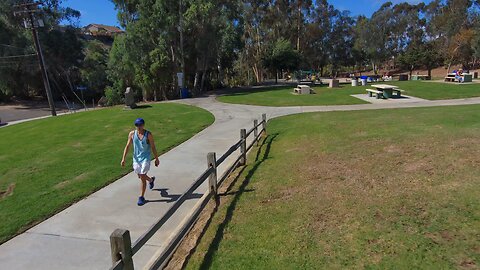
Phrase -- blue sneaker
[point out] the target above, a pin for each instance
(141, 201)
(151, 184)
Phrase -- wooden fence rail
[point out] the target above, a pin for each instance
(122, 250)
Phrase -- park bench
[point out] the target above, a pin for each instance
(307, 82)
(378, 94)
(398, 92)
(450, 79)
(302, 90)
(465, 78)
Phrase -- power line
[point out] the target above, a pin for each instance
(18, 63)
(23, 66)
(18, 56)
(11, 46)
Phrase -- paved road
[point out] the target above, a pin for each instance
(78, 237)
(29, 110)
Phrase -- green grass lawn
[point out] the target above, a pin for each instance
(339, 191)
(282, 96)
(45, 165)
(438, 90)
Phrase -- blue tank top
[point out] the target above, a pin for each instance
(141, 148)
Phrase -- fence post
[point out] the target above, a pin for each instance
(264, 122)
(121, 248)
(255, 131)
(212, 179)
(243, 147)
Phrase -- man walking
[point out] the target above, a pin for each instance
(143, 145)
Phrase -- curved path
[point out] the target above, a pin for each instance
(78, 237)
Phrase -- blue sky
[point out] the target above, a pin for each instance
(94, 11)
(366, 7)
(103, 11)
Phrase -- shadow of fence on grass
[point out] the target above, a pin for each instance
(265, 147)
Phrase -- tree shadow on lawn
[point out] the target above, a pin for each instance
(142, 107)
(214, 245)
(247, 91)
(322, 88)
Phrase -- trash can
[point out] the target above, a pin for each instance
(184, 93)
(354, 82)
(475, 75)
(364, 79)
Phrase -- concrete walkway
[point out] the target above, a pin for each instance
(78, 237)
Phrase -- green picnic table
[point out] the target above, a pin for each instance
(387, 90)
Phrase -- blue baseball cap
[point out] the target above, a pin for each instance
(139, 122)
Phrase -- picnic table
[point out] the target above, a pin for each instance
(303, 90)
(418, 77)
(452, 77)
(387, 90)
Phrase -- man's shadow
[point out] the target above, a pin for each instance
(169, 198)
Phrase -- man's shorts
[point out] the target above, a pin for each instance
(141, 168)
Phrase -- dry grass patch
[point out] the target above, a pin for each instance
(8, 191)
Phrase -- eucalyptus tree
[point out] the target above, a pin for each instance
(374, 37)
(319, 35)
(213, 37)
(120, 71)
(94, 67)
(341, 41)
(281, 56)
(452, 25)
(164, 37)
(254, 38)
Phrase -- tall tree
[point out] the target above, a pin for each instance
(94, 67)
(281, 57)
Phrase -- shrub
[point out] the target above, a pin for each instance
(114, 96)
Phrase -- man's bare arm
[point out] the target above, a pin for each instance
(154, 148)
(127, 147)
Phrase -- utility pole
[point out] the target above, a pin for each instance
(28, 12)
(182, 53)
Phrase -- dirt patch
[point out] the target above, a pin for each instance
(440, 237)
(77, 145)
(421, 165)
(354, 180)
(393, 148)
(188, 245)
(8, 191)
(295, 149)
(62, 184)
(191, 240)
(283, 195)
(468, 264)
(78, 178)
